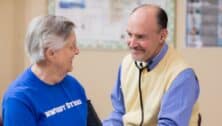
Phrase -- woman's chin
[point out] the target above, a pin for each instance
(70, 69)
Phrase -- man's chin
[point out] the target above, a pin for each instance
(136, 57)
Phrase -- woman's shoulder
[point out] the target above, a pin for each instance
(73, 81)
(17, 88)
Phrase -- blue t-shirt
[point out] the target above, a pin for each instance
(31, 102)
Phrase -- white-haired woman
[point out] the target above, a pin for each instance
(44, 94)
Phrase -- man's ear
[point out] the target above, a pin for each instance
(163, 35)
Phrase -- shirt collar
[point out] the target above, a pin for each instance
(155, 60)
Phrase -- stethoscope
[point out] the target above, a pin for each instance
(141, 66)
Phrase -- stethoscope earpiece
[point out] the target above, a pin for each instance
(140, 65)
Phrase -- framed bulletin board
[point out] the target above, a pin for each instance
(204, 23)
(101, 24)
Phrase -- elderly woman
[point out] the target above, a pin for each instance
(44, 94)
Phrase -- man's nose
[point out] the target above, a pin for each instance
(132, 42)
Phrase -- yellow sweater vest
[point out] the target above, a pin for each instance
(153, 84)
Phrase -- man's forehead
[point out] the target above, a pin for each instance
(146, 9)
(145, 13)
(145, 16)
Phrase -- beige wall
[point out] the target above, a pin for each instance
(207, 63)
(7, 28)
(15, 15)
(97, 69)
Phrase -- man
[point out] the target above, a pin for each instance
(155, 86)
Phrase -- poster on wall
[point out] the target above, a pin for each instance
(204, 23)
(101, 24)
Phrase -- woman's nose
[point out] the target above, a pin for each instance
(76, 51)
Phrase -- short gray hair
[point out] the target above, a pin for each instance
(46, 32)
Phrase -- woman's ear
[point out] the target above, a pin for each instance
(49, 54)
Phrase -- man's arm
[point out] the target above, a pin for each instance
(177, 104)
(115, 118)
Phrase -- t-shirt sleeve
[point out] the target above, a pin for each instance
(16, 113)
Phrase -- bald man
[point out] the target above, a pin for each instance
(155, 86)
